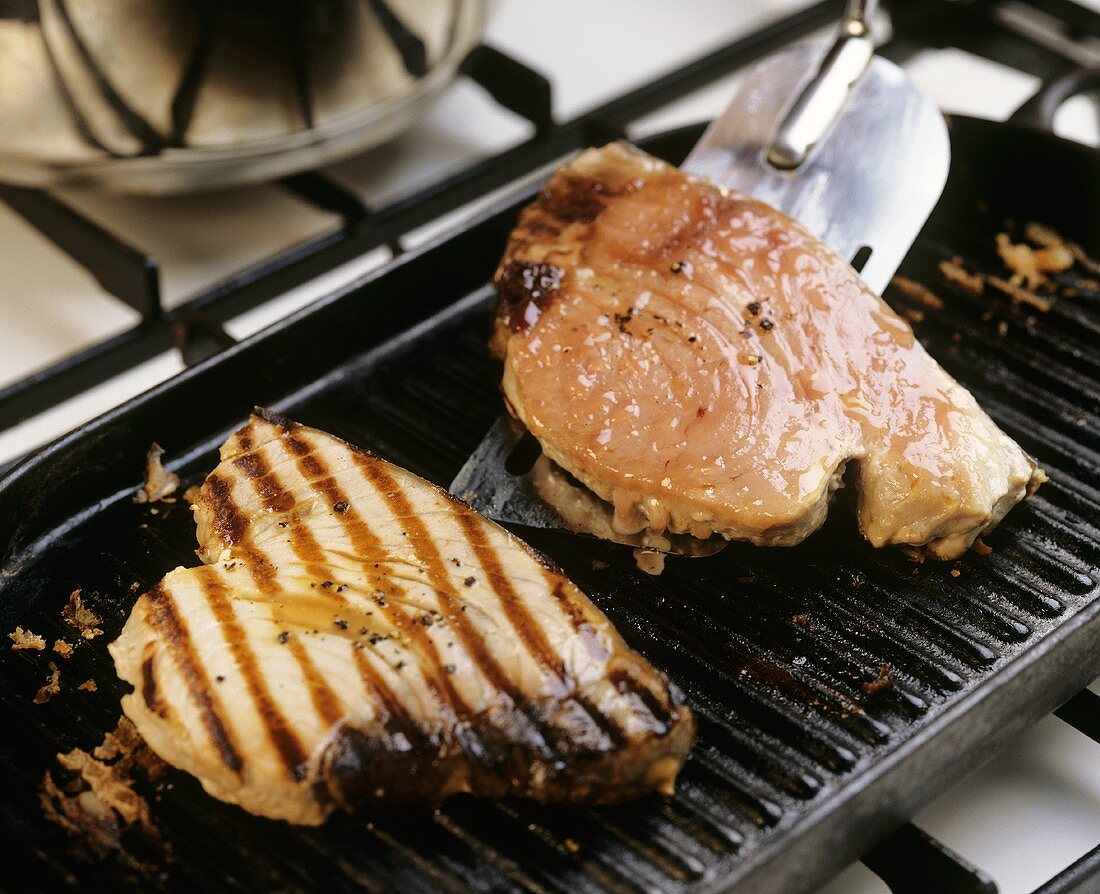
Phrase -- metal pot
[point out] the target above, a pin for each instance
(159, 96)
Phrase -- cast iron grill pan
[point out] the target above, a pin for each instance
(801, 762)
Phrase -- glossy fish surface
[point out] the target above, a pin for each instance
(706, 365)
(358, 636)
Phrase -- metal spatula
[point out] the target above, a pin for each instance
(833, 136)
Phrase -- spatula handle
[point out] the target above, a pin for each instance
(822, 99)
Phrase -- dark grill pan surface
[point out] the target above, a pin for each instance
(803, 759)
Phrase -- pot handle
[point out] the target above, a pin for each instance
(1039, 110)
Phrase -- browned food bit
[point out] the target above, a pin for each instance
(1020, 295)
(80, 618)
(51, 687)
(88, 685)
(954, 272)
(1048, 237)
(883, 680)
(914, 291)
(982, 548)
(443, 656)
(63, 648)
(96, 803)
(745, 433)
(26, 640)
(159, 483)
(1029, 265)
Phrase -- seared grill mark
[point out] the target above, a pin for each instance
(607, 726)
(366, 544)
(149, 693)
(397, 717)
(528, 629)
(172, 629)
(568, 605)
(325, 701)
(276, 498)
(428, 554)
(530, 726)
(265, 481)
(284, 739)
(625, 682)
(228, 523)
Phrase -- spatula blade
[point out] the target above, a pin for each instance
(872, 181)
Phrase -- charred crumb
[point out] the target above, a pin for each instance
(94, 802)
(746, 332)
(220, 678)
(427, 620)
(341, 507)
(340, 623)
(767, 324)
(469, 582)
(956, 274)
(882, 682)
(283, 637)
(914, 291)
(51, 687)
(450, 668)
(23, 640)
(159, 483)
(81, 618)
(1019, 294)
(326, 585)
(754, 308)
(913, 554)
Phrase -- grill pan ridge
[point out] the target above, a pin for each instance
(802, 760)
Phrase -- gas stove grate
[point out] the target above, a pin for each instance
(132, 276)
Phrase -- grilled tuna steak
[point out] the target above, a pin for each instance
(359, 636)
(705, 364)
